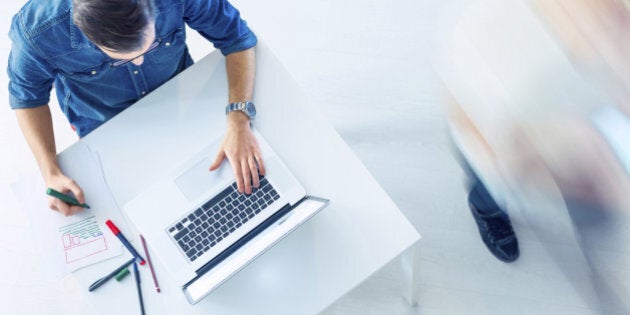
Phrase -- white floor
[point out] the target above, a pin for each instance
(367, 65)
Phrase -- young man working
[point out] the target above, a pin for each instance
(104, 55)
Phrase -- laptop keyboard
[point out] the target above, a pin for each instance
(205, 227)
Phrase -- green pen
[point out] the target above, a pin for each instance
(66, 198)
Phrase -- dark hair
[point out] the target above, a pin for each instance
(118, 25)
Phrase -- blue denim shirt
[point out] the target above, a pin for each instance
(48, 48)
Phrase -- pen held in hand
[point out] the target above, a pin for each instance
(65, 198)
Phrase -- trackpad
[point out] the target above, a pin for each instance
(198, 179)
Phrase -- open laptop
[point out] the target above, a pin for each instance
(204, 231)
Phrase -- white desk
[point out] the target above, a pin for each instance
(358, 233)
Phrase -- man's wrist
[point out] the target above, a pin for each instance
(246, 107)
(50, 171)
(237, 118)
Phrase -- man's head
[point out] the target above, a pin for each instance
(118, 26)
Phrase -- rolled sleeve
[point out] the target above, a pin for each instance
(30, 76)
(220, 23)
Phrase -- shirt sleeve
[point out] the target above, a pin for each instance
(30, 76)
(219, 22)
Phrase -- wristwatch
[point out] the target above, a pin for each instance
(246, 107)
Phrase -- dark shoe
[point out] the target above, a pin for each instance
(494, 225)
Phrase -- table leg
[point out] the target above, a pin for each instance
(410, 274)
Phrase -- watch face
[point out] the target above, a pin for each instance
(250, 109)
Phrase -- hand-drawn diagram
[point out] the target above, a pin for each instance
(82, 239)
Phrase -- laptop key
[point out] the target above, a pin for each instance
(230, 224)
(229, 216)
(231, 230)
(205, 225)
(223, 220)
(171, 230)
(191, 217)
(191, 252)
(199, 247)
(186, 239)
(181, 233)
(185, 247)
(224, 228)
(179, 226)
(192, 234)
(212, 238)
(205, 242)
(203, 217)
(217, 216)
(204, 234)
(238, 224)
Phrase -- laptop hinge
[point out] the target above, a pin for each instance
(242, 241)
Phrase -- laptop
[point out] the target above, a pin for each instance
(204, 231)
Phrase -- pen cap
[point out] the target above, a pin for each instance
(112, 227)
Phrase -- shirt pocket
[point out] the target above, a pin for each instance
(89, 73)
(170, 49)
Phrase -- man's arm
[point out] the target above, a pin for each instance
(36, 125)
(239, 144)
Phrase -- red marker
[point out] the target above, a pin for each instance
(123, 240)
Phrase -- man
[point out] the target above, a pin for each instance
(525, 102)
(104, 55)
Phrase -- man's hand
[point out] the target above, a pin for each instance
(240, 147)
(64, 184)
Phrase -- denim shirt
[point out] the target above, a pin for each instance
(48, 48)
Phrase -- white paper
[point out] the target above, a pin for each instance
(66, 244)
